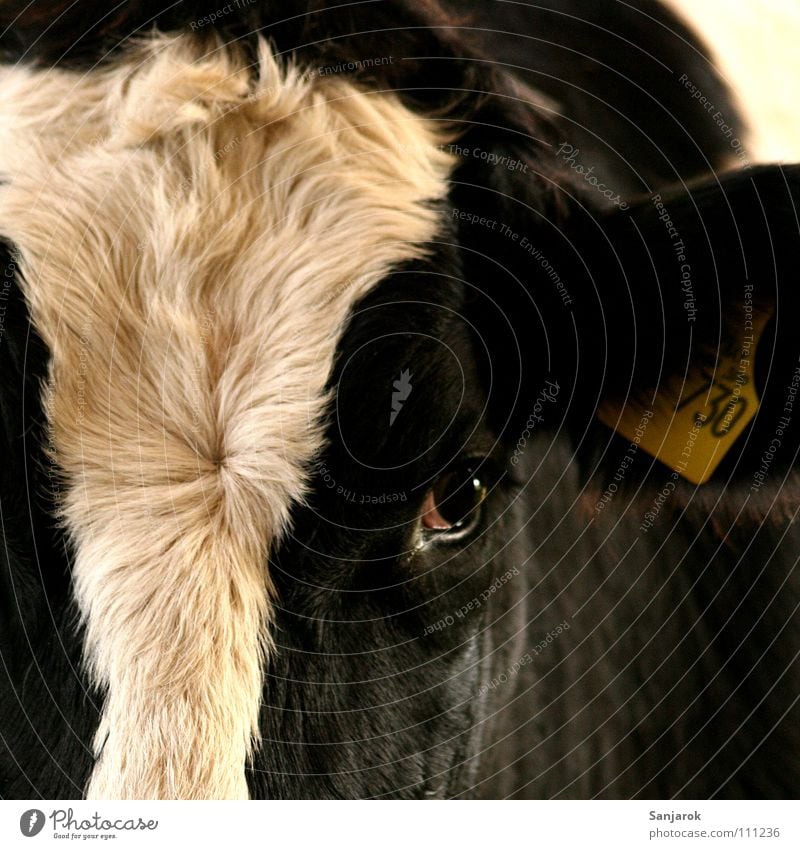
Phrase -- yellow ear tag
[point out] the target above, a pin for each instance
(694, 423)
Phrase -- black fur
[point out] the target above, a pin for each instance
(677, 676)
(48, 714)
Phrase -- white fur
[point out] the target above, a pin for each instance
(191, 237)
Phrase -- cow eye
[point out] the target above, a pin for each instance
(453, 503)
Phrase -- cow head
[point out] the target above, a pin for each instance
(325, 307)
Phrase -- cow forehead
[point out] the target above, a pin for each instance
(191, 234)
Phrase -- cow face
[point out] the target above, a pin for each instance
(321, 356)
(227, 217)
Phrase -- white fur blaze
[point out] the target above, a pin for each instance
(191, 241)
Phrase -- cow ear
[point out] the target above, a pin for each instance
(688, 301)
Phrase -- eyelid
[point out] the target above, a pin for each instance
(488, 474)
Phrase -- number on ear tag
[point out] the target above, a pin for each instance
(696, 421)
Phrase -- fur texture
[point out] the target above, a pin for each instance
(192, 236)
(185, 229)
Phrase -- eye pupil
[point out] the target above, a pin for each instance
(453, 499)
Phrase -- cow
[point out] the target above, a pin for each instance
(398, 399)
